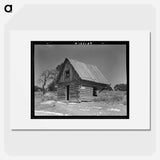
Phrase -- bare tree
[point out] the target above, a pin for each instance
(46, 77)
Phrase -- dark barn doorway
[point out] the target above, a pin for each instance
(67, 92)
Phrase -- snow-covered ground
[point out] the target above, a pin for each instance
(38, 113)
(113, 104)
(50, 102)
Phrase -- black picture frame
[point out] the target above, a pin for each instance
(33, 43)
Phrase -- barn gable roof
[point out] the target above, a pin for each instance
(88, 72)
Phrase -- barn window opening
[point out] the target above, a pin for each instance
(94, 91)
(67, 74)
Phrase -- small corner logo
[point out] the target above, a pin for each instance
(8, 8)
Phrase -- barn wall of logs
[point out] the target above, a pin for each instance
(77, 92)
(61, 92)
(86, 93)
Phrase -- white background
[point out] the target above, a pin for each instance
(87, 145)
(20, 51)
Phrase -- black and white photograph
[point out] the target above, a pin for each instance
(79, 79)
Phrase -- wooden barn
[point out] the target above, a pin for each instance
(78, 81)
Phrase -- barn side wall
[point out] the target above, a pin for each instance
(86, 90)
(78, 91)
(86, 93)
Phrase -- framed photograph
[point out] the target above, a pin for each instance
(79, 79)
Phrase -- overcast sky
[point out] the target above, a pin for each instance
(110, 59)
